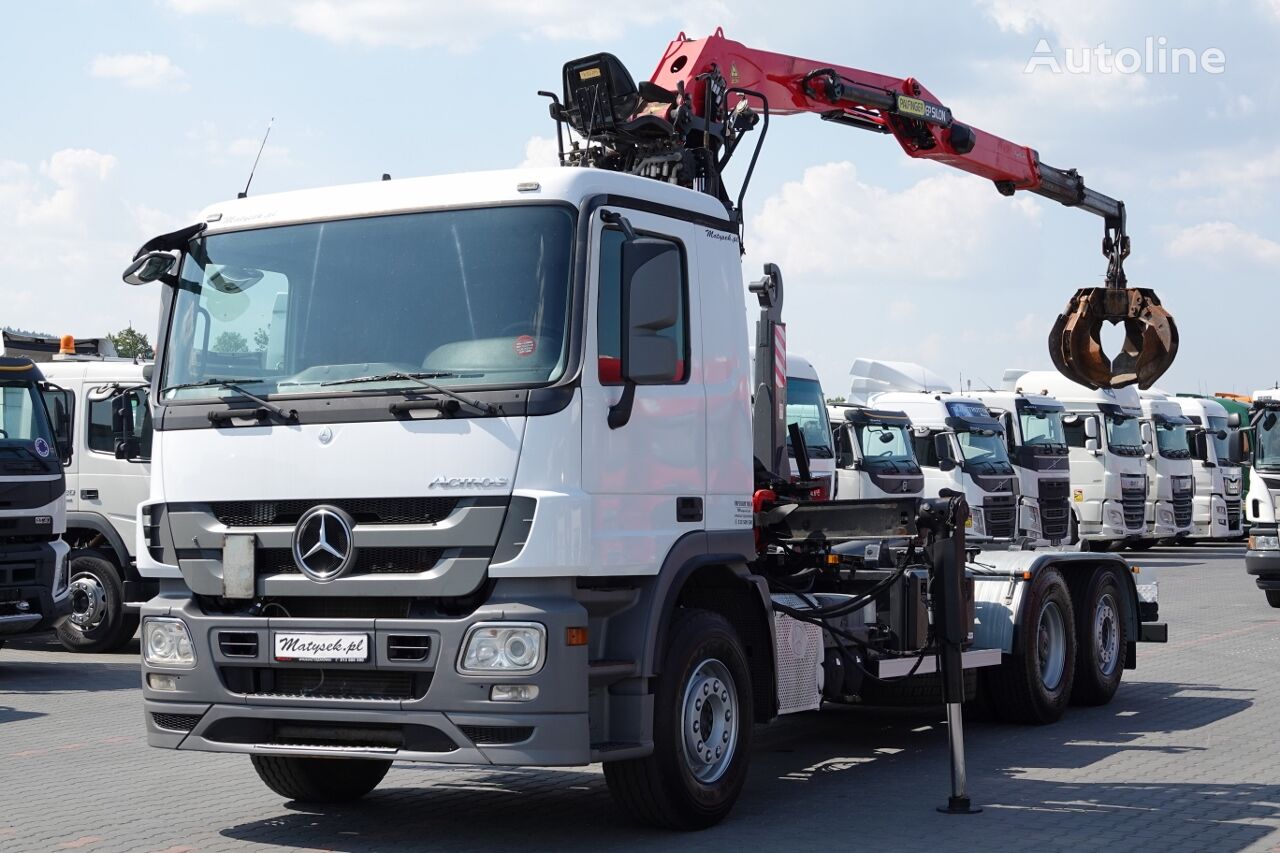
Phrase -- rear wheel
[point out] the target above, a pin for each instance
(320, 780)
(1273, 597)
(1100, 630)
(1033, 684)
(98, 620)
(702, 717)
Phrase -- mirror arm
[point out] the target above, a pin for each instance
(620, 412)
(612, 217)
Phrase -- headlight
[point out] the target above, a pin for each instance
(1264, 543)
(167, 642)
(974, 522)
(502, 647)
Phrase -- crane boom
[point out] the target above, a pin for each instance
(680, 126)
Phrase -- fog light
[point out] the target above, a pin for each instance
(166, 642)
(160, 681)
(513, 692)
(1115, 517)
(502, 647)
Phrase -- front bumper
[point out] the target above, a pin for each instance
(33, 586)
(1265, 567)
(443, 717)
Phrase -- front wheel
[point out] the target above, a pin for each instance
(1273, 597)
(702, 718)
(98, 620)
(1100, 628)
(1033, 684)
(320, 780)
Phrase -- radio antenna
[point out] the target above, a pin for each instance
(245, 192)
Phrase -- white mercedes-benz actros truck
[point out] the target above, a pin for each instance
(1171, 485)
(958, 444)
(1217, 510)
(1037, 443)
(1108, 469)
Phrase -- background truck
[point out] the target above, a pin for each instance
(1262, 503)
(106, 480)
(33, 566)
(560, 529)
(1218, 509)
(1108, 471)
(1037, 445)
(959, 445)
(807, 409)
(874, 454)
(1166, 442)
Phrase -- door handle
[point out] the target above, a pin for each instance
(88, 494)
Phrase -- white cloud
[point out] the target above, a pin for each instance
(76, 174)
(458, 26)
(939, 228)
(540, 151)
(1212, 241)
(140, 70)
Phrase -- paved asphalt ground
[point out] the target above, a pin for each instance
(1184, 758)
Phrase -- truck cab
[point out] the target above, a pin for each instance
(1262, 503)
(33, 447)
(106, 481)
(959, 445)
(875, 455)
(1107, 464)
(807, 408)
(1167, 441)
(1217, 509)
(1037, 444)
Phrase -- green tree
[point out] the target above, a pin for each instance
(260, 340)
(834, 401)
(130, 343)
(230, 342)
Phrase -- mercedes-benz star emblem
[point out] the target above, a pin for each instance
(323, 543)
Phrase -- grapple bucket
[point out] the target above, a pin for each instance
(1150, 344)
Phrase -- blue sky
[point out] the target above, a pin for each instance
(124, 119)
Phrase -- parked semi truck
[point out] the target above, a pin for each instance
(1262, 503)
(807, 409)
(1108, 471)
(106, 480)
(1037, 445)
(556, 530)
(958, 444)
(1166, 442)
(874, 453)
(33, 564)
(1217, 511)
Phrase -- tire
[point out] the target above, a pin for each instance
(98, 620)
(673, 787)
(1033, 685)
(1273, 597)
(320, 780)
(1102, 639)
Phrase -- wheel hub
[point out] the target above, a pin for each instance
(1106, 639)
(88, 602)
(1051, 642)
(709, 719)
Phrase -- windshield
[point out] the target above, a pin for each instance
(474, 297)
(1219, 425)
(1042, 428)
(885, 445)
(984, 451)
(1266, 455)
(806, 407)
(1123, 434)
(25, 434)
(1171, 440)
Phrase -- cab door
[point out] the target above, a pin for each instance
(647, 478)
(113, 487)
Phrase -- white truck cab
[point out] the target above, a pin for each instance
(957, 442)
(106, 480)
(1166, 440)
(1108, 471)
(1037, 444)
(1216, 512)
(1262, 504)
(875, 456)
(807, 409)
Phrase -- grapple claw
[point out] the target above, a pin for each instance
(1150, 344)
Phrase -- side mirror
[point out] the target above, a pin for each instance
(58, 407)
(1200, 445)
(152, 266)
(942, 447)
(1233, 420)
(1090, 444)
(1237, 447)
(128, 444)
(1091, 430)
(1147, 437)
(651, 294)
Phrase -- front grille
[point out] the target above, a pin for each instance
(238, 644)
(496, 735)
(363, 510)
(325, 683)
(1134, 503)
(1182, 509)
(339, 607)
(1055, 518)
(1001, 514)
(17, 574)
(175, 722)
(369, 561)
(1051, 490)
(1233, 512)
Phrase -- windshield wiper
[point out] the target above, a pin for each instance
(234, 385)
(420, 379)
